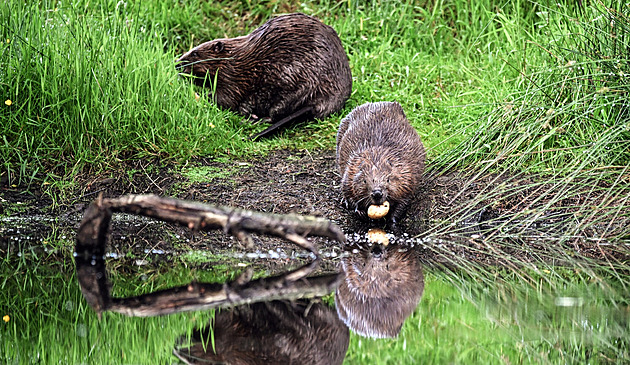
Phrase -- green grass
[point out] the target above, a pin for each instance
(93, 83)
(208, 173)
(528, 85)
(568, 110)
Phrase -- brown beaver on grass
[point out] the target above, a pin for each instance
(291, 68)
(380, 158)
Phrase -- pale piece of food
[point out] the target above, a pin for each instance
(377, 235)
(378, 211)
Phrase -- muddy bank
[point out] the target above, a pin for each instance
(461, 217)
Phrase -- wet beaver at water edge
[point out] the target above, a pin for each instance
(380, 158)
(291, 68)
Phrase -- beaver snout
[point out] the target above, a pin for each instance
(377, 196)
(377, 252)
(183, 66)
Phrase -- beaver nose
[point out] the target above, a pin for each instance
(377, 251)
(377, 195)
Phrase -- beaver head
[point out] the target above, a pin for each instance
(374, 178)
(207, 59)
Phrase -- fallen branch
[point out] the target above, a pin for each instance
(237, 222)
(92, 238)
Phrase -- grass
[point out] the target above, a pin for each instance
(95, 94)
(567, 113)
(567, 127)
(528, 96)
(207, 173)
(93, 84)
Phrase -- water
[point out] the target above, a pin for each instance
(424, 299)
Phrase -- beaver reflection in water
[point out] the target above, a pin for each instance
(291, 68)
(382, 287)
(277, 332)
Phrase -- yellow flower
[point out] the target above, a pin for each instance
(6, 318)
(8, 102)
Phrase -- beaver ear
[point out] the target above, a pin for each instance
(218, 47)
(359, 176)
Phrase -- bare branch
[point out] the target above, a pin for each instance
(92, 238)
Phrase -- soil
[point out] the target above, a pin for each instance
(450, 220)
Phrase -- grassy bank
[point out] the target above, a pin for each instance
(91, 84)
(523, 85)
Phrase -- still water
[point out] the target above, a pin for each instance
(387, 299)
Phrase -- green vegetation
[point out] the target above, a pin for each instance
(494, 89)
(93, 83)
(568, 110)
(206, 173)
(528, 85)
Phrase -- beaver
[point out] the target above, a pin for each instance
(382, 287)
(292, 68)
(380, 158)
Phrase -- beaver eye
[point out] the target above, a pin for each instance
(218, 47)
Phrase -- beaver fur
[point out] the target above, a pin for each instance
(380, 158)
(291, 68)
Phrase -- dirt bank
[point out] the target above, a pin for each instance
(462, 221)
